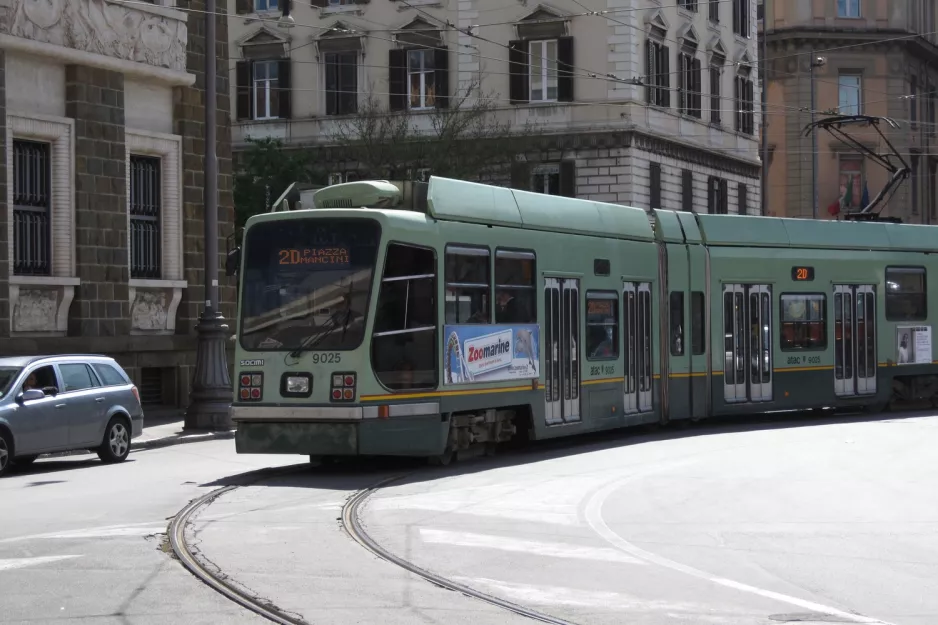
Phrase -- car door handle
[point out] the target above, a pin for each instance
(99, 399)
(60, 405)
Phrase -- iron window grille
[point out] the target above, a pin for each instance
(32, 208)
(145, 203)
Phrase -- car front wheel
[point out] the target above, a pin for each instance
(116, 444)
(6, 455)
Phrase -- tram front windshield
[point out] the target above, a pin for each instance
(306, 283)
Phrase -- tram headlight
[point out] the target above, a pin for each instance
(297, 384)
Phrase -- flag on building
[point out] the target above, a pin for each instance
(865, 198)
(846, 200)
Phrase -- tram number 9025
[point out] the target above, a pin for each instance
(804, 360)
(329, 358)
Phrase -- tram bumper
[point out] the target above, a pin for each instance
(338, 431)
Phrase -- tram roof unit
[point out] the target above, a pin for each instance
(477, 203)
(754, 231)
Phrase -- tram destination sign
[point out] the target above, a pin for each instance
(315, 257)
(802, 274)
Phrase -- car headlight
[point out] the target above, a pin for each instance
(297, 384)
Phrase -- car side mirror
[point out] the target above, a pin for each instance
(50, 391)
(31, 395)
(232, 262)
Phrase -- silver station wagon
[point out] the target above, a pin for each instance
(64, 403)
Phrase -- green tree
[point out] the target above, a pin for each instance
(265, 169)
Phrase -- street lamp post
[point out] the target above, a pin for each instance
(210, 397)
(816, 61)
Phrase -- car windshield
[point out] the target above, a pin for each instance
(306, 282)
(7, 375)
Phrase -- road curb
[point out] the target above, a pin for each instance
(157, 443)
(168, 441)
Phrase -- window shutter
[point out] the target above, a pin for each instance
(687, 190)
(244, 100)
(244, 6)
(681, 82)
(712, 194)
(397, 80)
(743, 200)
(520, 176)
(568, 178)
(284, 83)
(724, 199)
(332, 84)
(750, 100)
(698, 87)
(441, 77)
(518, 72)
(565, 69)
(654, 185)
(649, 79)
(666, 76)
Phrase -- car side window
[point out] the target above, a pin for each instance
(41, 379)
(77, 377)
(108, 374)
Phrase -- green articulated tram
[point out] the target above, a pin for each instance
(438, 319)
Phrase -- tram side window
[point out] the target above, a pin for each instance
(905, 294)
(514, 287)
(467, 284)
(803, 321)
(404, 344)
(677, 323)
(698, 336)
(602, 325)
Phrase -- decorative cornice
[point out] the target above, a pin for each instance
(103, 28)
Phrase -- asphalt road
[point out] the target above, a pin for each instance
(79, 541)
(749, 524)
(799, 521)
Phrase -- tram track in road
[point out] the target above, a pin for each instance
(350, 519)
(351, 523)
(216, 579)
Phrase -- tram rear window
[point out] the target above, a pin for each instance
(905, 294)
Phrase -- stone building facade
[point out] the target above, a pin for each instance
(659, 109)
(877, 58)
(101, 136)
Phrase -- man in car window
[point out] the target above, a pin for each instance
(31, 382)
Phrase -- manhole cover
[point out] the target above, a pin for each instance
(810, 617)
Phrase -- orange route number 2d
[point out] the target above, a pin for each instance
(322, 256)
(802, 274)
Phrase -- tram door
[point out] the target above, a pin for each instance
(854, 339)
(636, 329)
(747, 331)
(561, 350)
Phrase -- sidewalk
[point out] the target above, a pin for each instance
(164, 426)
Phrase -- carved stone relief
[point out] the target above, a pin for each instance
(36, 310)
(149, 310)
(100, 27)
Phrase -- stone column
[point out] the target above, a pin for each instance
(95, 99)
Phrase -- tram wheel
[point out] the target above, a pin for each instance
(443, 459)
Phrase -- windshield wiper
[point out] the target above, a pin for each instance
(314, 339)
